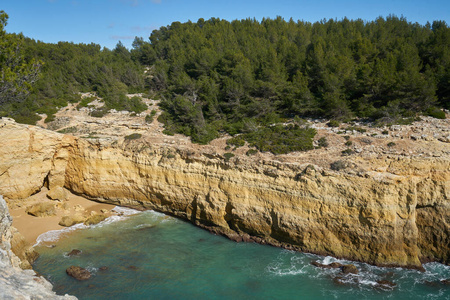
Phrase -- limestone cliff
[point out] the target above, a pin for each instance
(396, 213)
(16, 283)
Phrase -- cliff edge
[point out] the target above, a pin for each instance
(384, 208)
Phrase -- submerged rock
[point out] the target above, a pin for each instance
(333, 265)
(78, 273)
(74, 252)
(349, 269)
(385, 284)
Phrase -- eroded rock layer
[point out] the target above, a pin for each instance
(398, 215)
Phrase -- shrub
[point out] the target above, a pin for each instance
(435, 113)
(133, 136)
(347, 152)
(149, 118)
(338, 165)
(228, 156)
(347, 137)
(391, 144)
(385, 132)
(348, 143)
(355, 128)
(333, 123)
(322, 142)
(99, 112)
(251, 152)
(237, 141)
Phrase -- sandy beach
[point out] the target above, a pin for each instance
(31, 227)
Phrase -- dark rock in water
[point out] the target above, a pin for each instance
(103, 268)
(132, 268)
(74, 252)
(333, 265)
(385, 284)
(445, 281)
(78, 273)
(338, 280)
(92, 286)
(144, 228)
(347, 269)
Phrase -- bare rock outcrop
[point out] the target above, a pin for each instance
(385, 210)
(16, 283)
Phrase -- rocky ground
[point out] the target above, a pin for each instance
(428, 137)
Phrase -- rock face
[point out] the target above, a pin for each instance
(393, 210)
(78, 273)
(16, 283)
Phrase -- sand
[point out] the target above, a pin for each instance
(31, 227)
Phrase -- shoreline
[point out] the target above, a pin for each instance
(32, 227)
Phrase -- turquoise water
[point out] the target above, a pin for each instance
(152, 256)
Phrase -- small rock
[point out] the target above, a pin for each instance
(74, 252)
(42, 209)
(103, 268)
(103, 210)
(94, 219)
(134, 268)
(385, 284)
(78, 273)
(445, 281)
(68, 221)
(58, 193)
(333, 265)
(346, 269)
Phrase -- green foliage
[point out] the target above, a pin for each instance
(280, 139)
(85, 102)
(236, 141)
(338, 165)
(385, 132)
(17, 73)
(391, 144)
(251, 152)
(149, 118)
(228, 156)
(322, 142)
(333, 123)
(435, 113)
(237, 76)
(133, 136)
(347, 152)
(99, 112)
(348, 143)
(68, 69)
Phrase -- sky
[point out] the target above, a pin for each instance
(106, 22)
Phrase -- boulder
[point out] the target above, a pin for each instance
(347, 269)
(42, 209)
(74, 252)
(58, 193)
(333, 265)
(68, 221)
(78, 273)
(94, 219)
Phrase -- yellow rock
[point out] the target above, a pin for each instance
(397, 216)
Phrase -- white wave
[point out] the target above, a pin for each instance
(54, 235)
(125, 211)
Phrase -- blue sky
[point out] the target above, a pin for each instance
(105, 22)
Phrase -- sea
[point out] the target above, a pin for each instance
(148, 255)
